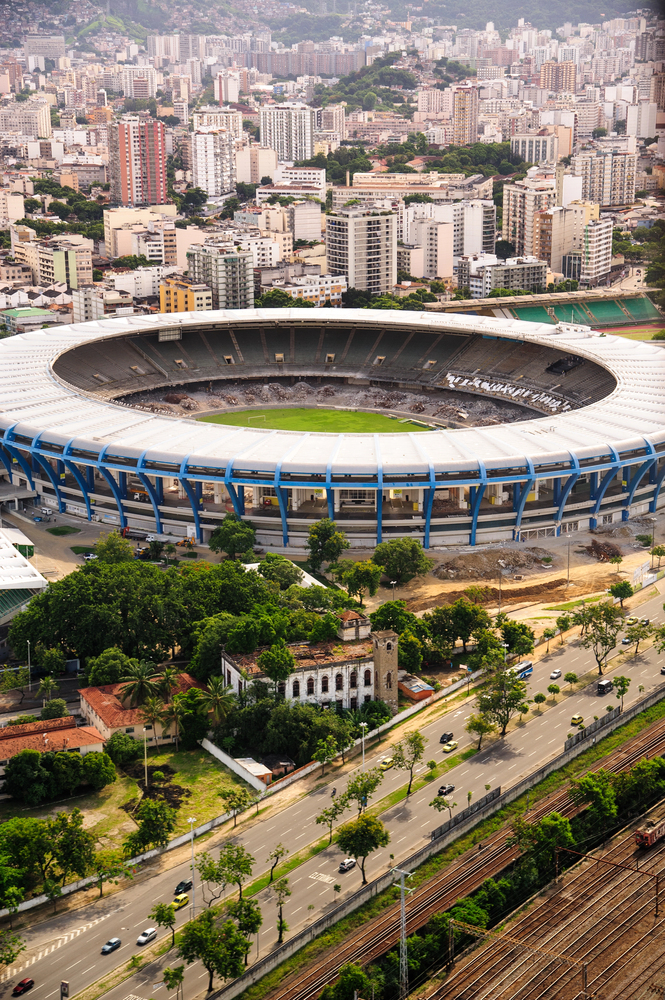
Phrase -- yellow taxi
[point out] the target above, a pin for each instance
(182, 899)
(450, 746)
(386, 763)
(577, 720)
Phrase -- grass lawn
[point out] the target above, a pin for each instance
(304, 419)
(63, 529)
(78, 550)
(205, 778)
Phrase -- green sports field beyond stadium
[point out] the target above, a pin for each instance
(304, 419)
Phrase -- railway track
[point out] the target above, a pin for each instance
(457, 880)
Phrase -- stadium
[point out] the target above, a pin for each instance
(589, 446)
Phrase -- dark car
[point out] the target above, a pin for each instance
(183, 886)
(446, 737)
(111, 945)
(446, 790)
(23, 987)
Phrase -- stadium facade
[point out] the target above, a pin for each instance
(590, 450)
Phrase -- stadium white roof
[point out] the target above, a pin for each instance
(16, 573)
(37, 403)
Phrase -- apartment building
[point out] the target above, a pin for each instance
(483, 273)
(319, 289)
(253, 163)
(137, 161)
(212, 152)
(465, 115)
(608, 176)
(227, 271)
(30, 118)
(540, 146)
(522, 200)
(178, 294)
(558, 77)
(289, 130)
(210, 116)
(361, 244)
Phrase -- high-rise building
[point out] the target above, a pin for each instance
(50, 46)
(289, 130)
(540, 146)
(362, 245)
(227, 271)
(521, 201)
(137, 161)
(608, 176)
(32, 118)
(211, 116)
(641, 119)
(559, 77)
(436, 240)
(482, 273)
(253, 163)
(213, 161)
(333, 119)
(139, 82)
(465, 115)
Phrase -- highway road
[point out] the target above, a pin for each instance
(68, 946)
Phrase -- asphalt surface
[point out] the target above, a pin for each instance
(68, 947)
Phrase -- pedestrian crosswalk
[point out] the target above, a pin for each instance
(30, 960)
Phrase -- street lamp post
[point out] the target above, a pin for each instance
(393, 584)
(363, 726)
(192, 820)
(29, 670)
(505, 647)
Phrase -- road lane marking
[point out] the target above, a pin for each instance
(88, 970)
(72, 966)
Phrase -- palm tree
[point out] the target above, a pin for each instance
(174, 713)
(168, 682)
(218, 699)
(139, 682)
(47, 687)
(152, 713)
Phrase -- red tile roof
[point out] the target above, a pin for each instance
(63, 739)
(352, 616)
(41, 726)
(106, 703)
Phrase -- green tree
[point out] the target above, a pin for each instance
(563, 623)
(570, 678)
(164, 915)
(596, 791)
(361, 788)
(218, 699)
(156, 824)
(140, 683)
(659, 552)
(616, 561)
(11, 946)
(280, 570)
(351, 982)
(358, 577)
(621, 685)
(173, 978)
(639, 633)
(152, 714)
(324, 628)
(440, 803)
(408, 753)
(480, 726)
(549, 633)
(248, 917)
(108, 667)
(122, 748)
(325, 752)
(501, 699)
(233, 536)
(236, 800)
(56, 708)
(173, 715)
(52, 660)
(325, 543)
(277, 662)
(281, 891)
(113, 548)
(410, 651)
(554, 690)
(604, 625)
(211, 873)
(278, 852)
(519, 636)
(97, 770)
(109, 866)
(540, 699)
(360, 837)
(466, 619)
(237, 865)
(27, 779)
(402, 559)
(220, 948)
(621, 591)
(393, 615)
(329, 816)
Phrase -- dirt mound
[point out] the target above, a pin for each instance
(181, 399)
(603, 551)
(548, 590)
(626, 529)
(488, 564)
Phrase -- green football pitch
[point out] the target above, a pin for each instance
(302, 419)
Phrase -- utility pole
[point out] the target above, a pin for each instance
(192, 820)
(568, 574)
(403, 959)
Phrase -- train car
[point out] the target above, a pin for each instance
(650, 833)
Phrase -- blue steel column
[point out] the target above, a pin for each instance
(119, 492)
(564, 492)
(477, 493)
(519, 506)
(602, 489)
(187, 487)
(379, 491)
(238, 505)
(279, 490)
(428, 502)
(653, 503)
(8, 438)
(637, 476)
(82, 484)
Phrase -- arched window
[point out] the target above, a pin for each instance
(354, 679)
(296, 689)
(339, 683)
(389, 646)
(389, 681)
(368, 678)
(310, 685)
(324, 684)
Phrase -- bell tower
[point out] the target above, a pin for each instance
(385, 667)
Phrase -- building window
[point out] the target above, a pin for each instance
(339, 683)
(324, 684)
(296, 689)
(368, 697)
(354, 679)
(130, 730)
(310, 685)
(389, 681)
(368, 678)
(354, 704)
(281, 688)
(389, 646)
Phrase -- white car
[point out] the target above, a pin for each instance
(151, 538)
(89, 556)
(149, 934)
(555, 675)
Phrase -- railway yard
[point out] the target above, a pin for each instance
(596, 915)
